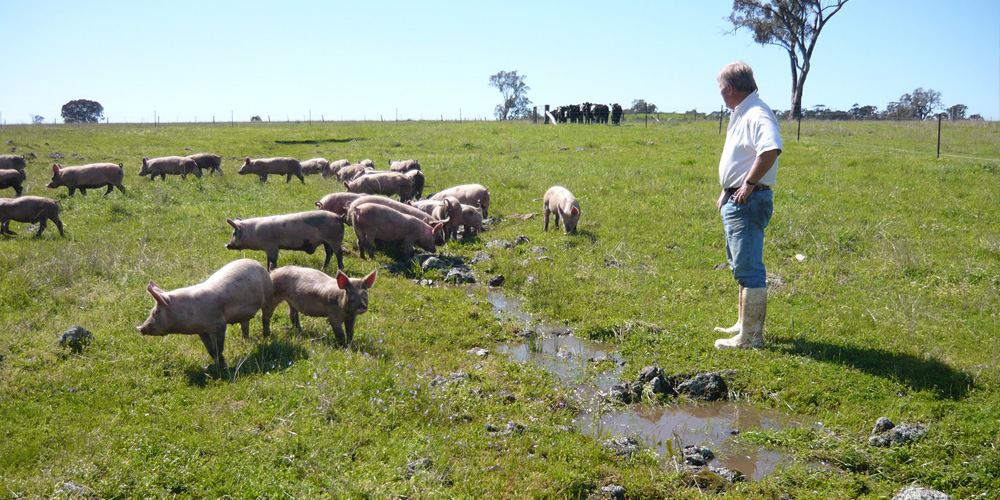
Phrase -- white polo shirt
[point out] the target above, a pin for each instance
(753, 129)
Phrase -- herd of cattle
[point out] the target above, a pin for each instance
(235, 293)
(588, 113)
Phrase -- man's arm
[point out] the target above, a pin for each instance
(763, 163)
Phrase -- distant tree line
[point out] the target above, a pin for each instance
(918, 105)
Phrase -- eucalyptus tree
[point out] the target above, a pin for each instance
(793, 25)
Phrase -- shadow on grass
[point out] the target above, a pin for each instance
(267, 357)
(313, 141)
(915, 372)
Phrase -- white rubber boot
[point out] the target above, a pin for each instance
(753, 302)
(739, 321)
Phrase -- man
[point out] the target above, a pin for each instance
(747, 170)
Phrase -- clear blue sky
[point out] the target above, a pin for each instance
(187, 60)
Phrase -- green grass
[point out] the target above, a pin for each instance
(893, 312)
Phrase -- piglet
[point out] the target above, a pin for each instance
(335, 167)
(560, 202)
(337, 202)
(272, 166)
(386, 183)
(376, 222)
(208, 161)
(304, 231)
(33, 209)
(469, 194)
(169, 165)
(13, 179)
(233, 294)
(317, 295)
(472, 221)
(92, 176)
(315, 166)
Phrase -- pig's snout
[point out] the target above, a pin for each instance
(362, 309)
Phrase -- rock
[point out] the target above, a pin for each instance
(621, 393)
(74, 490)
(648, 373)
(454, 378)
(56, 156)
(537, 249)
(733, 476)
(496, 280)
(917, 493)
(521, 240)
(609, 492)
(612, 263)
(458, 275)
(704, 386)
(76, 338)
(417, 466)
(661, 385)
(697, 455)
(499, 244)
(882, 424)
(478, 351)
(622, 446)
(564, 353)
(433, 263)
(898, 435)
(481, 257)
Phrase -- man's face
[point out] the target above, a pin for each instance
(727, 92)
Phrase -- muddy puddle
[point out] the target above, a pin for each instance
(590, 368)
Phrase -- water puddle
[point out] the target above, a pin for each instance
(589, 367)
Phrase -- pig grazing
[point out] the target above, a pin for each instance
(448, 208)
(14, 179)
(375, 222)
(208, 161)
(337, 202)
(367, 162)
(315, 166)
(29, 209)
(387, 183)
(317, 295)
(403, 165)
(472, 221)
(84, 177)
(560, 202)
(469, 194)
(348, 173)
(233, 294)
(12, 162)
(391, 203)
(335, 167)
(417, 178)
(276, 166)
(304, 231)
(172, 165)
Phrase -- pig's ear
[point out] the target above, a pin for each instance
(233, 223)
(157, 293)
(438, 227)
(346, 187)
(145, 160)
(55, 168)
(369, 281)
(342, 280)
(247, 160)
(319, 206)
(575, 211)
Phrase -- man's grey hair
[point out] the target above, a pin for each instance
(740, 75)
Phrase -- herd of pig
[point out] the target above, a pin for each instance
(236, 292)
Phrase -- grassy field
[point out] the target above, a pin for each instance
(892, 312)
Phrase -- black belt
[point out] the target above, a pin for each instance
(757, 187)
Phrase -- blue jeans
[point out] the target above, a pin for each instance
(745, 237)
